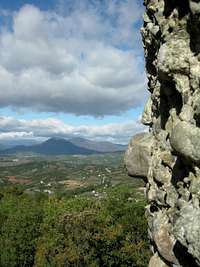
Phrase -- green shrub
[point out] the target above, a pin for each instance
(20, 221)
(73, 232)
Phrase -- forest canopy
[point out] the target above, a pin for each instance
(47, 231)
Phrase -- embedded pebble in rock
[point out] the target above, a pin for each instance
(157, 262)
(162, 237)
(169, 156)
(187, 113)
(171, 196)
(147, 114)
(162, 174)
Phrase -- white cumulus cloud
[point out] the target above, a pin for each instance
(74, 62)
(12, 129)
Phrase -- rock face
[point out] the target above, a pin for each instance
(169, 156)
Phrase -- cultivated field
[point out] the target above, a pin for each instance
(65, 174)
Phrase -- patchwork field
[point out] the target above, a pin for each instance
(80, 174)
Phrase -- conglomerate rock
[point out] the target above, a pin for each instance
(171, 38)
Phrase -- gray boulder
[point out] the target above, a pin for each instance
(185, 140)
(138, 155)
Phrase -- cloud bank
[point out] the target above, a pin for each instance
(83, 62)
(17, 129)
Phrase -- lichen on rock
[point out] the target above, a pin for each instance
(168, 157)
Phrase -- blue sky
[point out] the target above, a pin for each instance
(16, 5)
(71, 68)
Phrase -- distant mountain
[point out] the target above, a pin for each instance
(58, 146)
(53, 146)
(98, 146)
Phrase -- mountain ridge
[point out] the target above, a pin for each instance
(100, 146)
(61, 146)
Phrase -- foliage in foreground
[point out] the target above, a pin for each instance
(43, 231)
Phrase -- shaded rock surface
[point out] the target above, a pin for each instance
(170, 162)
